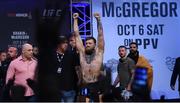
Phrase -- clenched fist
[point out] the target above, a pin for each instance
(75, 15)
(97, 15)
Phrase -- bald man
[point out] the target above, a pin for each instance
(23, 68)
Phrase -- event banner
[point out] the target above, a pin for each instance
(16, 23)
(153, 24)
(18, 20)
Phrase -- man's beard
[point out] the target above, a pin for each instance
(134, 55)
(89, 51)
(133, 52)
(9, 58)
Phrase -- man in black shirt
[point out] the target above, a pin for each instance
(65, 70)
(11, 55)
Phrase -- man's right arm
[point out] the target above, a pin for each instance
(116, 81)
(132, 67)
(79, 43)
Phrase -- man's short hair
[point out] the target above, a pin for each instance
(122, 46)
(2, 51)
(71, 34)
(91, 38)
(61, 39)
(134, 44)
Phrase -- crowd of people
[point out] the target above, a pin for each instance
(76, 74)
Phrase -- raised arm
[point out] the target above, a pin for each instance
(79, 43)
(100, 38)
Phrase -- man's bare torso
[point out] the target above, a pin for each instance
(91, 71)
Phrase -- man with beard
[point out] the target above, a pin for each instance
(91, 57)
(125, 69)
(11, 55)
(3, 56)
(142, 62)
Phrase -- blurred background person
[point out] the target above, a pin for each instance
(35, 52)
(142, 64)
(72, 42)
(11, 55)
(125, 68)
(3, 56)
(175, 75)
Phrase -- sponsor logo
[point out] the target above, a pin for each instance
(20, 15)
(52, 12)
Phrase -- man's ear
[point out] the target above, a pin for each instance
(23, 51)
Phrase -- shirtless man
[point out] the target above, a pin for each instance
(90, 69)
(91, 58)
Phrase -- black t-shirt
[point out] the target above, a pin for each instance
(3, 71)
(67, 77)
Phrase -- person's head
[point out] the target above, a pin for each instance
(62, 44)
(35, 50)
(27, 51)
(72, 40)
(122, 51)
(133, 47)
(12, 52)
(3, 55)
(90, 45)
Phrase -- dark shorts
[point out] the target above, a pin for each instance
(91, 90)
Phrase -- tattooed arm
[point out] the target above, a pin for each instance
(100, 33)
(79, 43)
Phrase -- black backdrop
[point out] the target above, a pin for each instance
(18, 23)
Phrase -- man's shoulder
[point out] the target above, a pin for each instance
(178, 59)
(70, 53)
(129, 59)
(99, 51)
(141, 56)
(34, 59)
(17, 59)
(5, 62)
